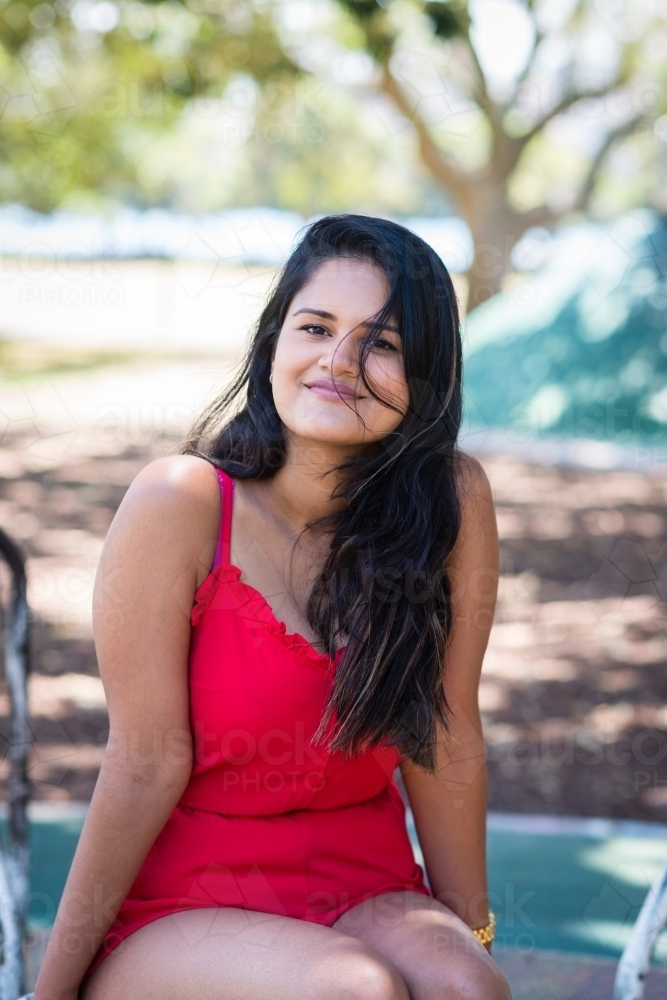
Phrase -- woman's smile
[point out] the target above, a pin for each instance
(333, 391)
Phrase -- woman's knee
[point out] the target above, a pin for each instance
(475, 979)
(486, 982)
(364, 975)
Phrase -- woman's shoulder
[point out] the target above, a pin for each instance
(176, 492)
(471, 478)
(478, 519)
(178, 476)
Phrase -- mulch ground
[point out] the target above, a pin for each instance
(575, 687)
(574, 691)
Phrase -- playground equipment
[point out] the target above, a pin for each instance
(14, 859)
(636, 958)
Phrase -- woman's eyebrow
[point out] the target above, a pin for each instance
(315, 312)
(327, 315)
(387, 326)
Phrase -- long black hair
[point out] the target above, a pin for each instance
(384, 584)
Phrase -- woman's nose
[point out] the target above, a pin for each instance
(342, 356)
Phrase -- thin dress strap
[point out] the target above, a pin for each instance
(223, 548)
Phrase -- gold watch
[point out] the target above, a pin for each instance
(486, 933)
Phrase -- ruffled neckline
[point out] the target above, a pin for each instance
(256, 605)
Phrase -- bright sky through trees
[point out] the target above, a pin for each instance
(511, 114)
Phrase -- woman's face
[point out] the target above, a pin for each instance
(317, 390)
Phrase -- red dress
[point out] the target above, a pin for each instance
(267, 822)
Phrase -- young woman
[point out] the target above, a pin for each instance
(284, 614)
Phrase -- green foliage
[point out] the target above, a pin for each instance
(363, 9)
(450, 20)
(329, 160)
(372, 17)
(89, 89)
(83, 81)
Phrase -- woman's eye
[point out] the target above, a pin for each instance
(309, 327)
(382, 344)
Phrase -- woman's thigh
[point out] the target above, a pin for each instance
(437, 955)
(235, 954)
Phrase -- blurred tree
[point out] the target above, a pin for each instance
(85, 83)
(517, 106)
(488, 85)
(308, 147)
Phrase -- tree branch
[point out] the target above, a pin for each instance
(582, 199)
(480, 90)
(525, 72)
(571, 98)
(459, 183)
(574, 95)
(542, 215)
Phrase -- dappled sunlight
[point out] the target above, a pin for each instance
(574, 685)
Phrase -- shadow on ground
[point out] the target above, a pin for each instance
(574, 690)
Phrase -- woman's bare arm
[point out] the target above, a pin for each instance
(449, 807)
(157, 552)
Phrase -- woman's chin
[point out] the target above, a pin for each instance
(323, 436)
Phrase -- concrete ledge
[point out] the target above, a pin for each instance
(554, 975)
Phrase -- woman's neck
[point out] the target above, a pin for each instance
(301, 490)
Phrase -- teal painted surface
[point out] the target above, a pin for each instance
(52, 846)
(571, 893)
(566, 892)
(579, 350)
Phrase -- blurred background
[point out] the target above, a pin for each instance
(158, 160)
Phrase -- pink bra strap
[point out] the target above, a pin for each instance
(222, 550)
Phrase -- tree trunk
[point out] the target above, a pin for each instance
(488, 268)
(495, 228)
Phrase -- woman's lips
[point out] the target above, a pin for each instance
(336, 391)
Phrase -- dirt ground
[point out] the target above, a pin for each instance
(574, 691)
